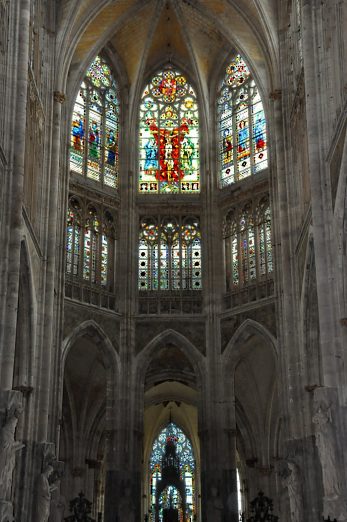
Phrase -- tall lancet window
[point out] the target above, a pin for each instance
(170, 254)
(172, 476)
(242, 125)
(169, 136)
(95, 126)
(247, 244)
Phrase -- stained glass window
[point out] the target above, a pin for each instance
(248, 247)
(91, 244)
(242, 125)
(170, 254)
(95, 126)
(264, 232)
(90, 237)
(169, 136)
(171, 495)
(73, 237)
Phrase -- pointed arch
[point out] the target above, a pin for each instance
(90, 407)
(254, 410)
(169, 135)
(90, 327)
(188, 348)
(233, 350)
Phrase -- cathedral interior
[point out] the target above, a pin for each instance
(173, 261)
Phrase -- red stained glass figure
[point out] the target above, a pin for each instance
(169, 143)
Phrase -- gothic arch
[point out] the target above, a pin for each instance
(118, 71)
(189, 350)
(220, 74)
(191, 76)
(89, 327)
(109, 353)
(251, 349)
(233, 350)
(88, 393)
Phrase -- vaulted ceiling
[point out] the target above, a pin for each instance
(196, 35)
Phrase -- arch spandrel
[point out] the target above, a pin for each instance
(190, 351)
(248, 329)
(91, 328)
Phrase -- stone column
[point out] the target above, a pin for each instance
(229, 479)
(49, 301)
(314, 67)
(15, 200)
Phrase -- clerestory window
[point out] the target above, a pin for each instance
(241, 125)
(95, 126)
(169, 136)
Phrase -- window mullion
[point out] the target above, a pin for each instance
(103, 138)
(228, 261)
(235, 138)
(264, 227)
(257, 249)
(250, 123)
(241, 257)
(82, 245)
(86, 132)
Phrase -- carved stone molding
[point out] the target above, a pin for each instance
(59, 97)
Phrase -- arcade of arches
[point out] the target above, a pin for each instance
(173, 287)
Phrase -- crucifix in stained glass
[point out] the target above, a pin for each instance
(169, 136)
